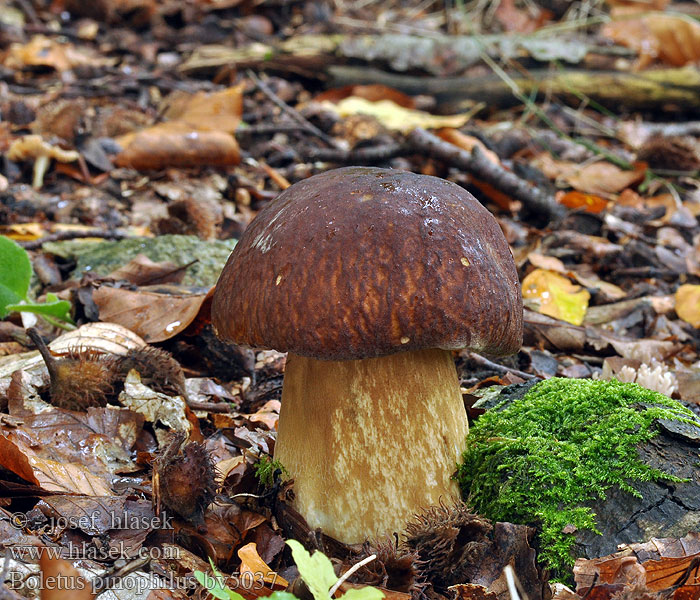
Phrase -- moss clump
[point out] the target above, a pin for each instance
(268, 470)
(543, 458)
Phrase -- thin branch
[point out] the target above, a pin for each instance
(476, 163)
(485, 362)
(295, 114)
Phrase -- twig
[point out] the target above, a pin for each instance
(266, 130)
(476, 163)
(210, 407)
(111, 234)
(349, 572)
(361, 156)
(485, 362)
(265, 89)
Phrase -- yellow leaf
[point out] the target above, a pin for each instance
(252, 563)
(396, 117)
(554, 295)
(688, 304)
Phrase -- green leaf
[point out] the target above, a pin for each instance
(316, 571)
(279, 595)
(365, 593)
(216, 585)
(15, 273)
(53, 307)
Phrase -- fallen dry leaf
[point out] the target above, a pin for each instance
(550, 263)
(268, 414)
(218, 111)
(395, 117)
(672, 39)
(659, 565)
(598, 178)
(153, 316)
(256, 566)
(467, 142)
(176, 145)
(521, 20)
(199, 132)
(168, 411)
(688, 303)
(68, 584)
(42, 51)
(604, 178)
(141, 270)
(555, 296)
(373, 93)
(18, 456)
(588, 202)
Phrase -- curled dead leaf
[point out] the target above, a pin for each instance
(153, 316)
(176, 145)
(251, 562)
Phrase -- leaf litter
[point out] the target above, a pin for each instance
(137, 149)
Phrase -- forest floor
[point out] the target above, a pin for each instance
(138, 141)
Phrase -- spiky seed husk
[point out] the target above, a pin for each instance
(186, 479)
(157, 368)
(395, 568)
(450, 542)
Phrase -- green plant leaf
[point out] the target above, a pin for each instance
(15, 273)
(365, 593)
(316, 571)
(280, 595)
(216, 585)
(53, 307)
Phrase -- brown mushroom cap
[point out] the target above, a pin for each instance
(362, 262)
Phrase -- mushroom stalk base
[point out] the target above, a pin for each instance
(371, 442)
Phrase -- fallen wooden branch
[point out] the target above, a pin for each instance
(422, 142)
(658, 89)
(435, 54)
(476, 163)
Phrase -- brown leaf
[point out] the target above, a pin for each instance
(268, 414)
(219, 111)
(42, 51)
(68, 584)
(141, 270)
(153, 316)
(256, 566)
(53, 476)
(599, 178)
(176, 145)
(604, 178)
(673, 39)
(470, 591)
(71, 452)
(520, 20)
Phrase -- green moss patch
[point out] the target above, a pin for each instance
(543, 458)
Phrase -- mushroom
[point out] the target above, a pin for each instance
(369, 278)
(34, 146)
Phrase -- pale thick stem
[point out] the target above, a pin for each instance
(371, 442)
